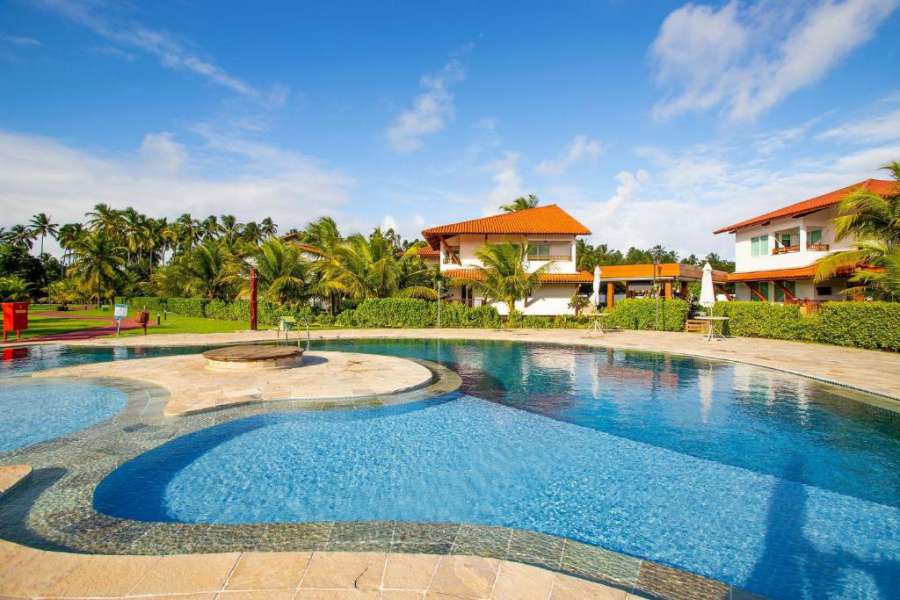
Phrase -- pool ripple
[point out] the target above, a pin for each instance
(473, 461)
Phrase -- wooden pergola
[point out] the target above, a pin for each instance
(669, 275)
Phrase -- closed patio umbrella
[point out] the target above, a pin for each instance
(595, 295)
(707, 292)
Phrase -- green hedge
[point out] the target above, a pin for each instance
(411, 312)
(187, 307)
(136, 303)
(873, 325)
(640, 313)
(518, 320)
(762, 319)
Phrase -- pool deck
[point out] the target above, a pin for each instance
(472, 562)
(867, 370)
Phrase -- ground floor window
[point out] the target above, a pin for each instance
(762, 287)
(823, 290)
(790, 286)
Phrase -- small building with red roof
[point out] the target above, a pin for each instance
(550, 233)
(776, 252)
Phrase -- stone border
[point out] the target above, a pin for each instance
(54, 510)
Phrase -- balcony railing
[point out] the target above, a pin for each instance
(786, 249)
(817, 247)
(551, 257)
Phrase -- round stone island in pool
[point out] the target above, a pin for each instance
(253, 358)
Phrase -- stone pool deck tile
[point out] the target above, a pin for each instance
(103, 576)
(344, 571)
(409, 571)
(572, 588)
(268, 570)
(11, 476)
(186, 573)
(465, 576)
(868, 370)
(520, 582)
(324, 375)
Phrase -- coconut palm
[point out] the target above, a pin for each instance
(874, 222)
(104, 217)
(230, 230)
(210, 227)
(503, 276)
(268, 227)
(521, 203)
(12, 288)
(42, 226)
(21, 236)
(208, 271)
(282, 271)
(97, 262)
(321, 238)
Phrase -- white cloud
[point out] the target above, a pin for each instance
(171, 53)
(19, 40)
(389, 222)
(162, 152)
(507, 184)
(419, 221)
(580, 148)
(748, 59)
(769, 143)
(42, 174)
(430, 112)
(880, 128)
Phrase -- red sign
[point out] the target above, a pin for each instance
(15, 317)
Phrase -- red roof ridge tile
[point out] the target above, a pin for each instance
(816, 203)
(547, 219)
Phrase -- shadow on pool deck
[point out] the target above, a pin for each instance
(796, 575)
(17, 505)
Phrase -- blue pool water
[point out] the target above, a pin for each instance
(37, 412)
(778, 484)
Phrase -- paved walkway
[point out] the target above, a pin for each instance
(29, 573)
(867, 370)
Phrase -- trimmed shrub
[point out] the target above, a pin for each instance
(640, 313)
(762, 319)
(460, 315)
(136, 303)
(187, 307)
(873, 325)
(394, 312)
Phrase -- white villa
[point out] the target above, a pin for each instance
(550, 233)
(776, 252)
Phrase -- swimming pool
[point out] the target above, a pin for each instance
(774, 483)
(37, 412)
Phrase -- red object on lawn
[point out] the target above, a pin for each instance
(15, 318)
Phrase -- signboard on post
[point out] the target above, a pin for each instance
(120, 312)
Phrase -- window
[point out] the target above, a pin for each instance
(785, 239)
(814, 236)
(823, 290)
(759, 246)
(762, 287)
(790, 286)
(539, 251)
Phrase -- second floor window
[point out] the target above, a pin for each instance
(814, 236)
(759, 246)
(539, 252)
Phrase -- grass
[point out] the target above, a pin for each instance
(39, 325)
(180, 324)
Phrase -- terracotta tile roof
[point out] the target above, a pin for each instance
(807, 272)
(664, 270)
(475, 275)
(877, 186)
(428, 252)
(549, 219)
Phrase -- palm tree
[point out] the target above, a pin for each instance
(188, 233)
(503, 276)
(209, 270)
(522, 203)
(251, 233)
(68, 234)
(268, 227)
(97, 263)
(105, 218)
(230, 230)
(874, 222)
(21, 236)
(282, 271)
(42, 226)
(210, 227)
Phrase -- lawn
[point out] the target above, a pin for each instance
(40, 324)
(180, 324)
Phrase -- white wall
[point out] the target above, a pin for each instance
(560, 245)
(745, 261)
(548, 300)
(805, 290)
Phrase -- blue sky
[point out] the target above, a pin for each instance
(652, 122)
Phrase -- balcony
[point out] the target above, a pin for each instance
(817, 247)
(556, 257)
(786, 249)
